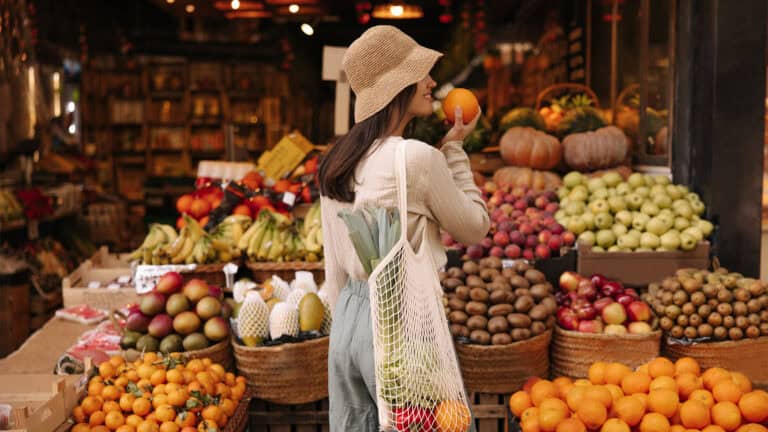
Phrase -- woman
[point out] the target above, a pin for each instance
(389, 73)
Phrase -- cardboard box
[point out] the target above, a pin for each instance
(39, 403)
(89, 283)
(638, 269)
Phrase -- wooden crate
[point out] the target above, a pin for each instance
(268, 417)
(14, 316)
(491, 412)
(40, 403)
(103, 268)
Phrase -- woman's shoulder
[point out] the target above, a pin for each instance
(418, 152)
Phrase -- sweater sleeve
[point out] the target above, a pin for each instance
(335, 275)
(451, 194)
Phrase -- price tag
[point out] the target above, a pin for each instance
(509, 263)
(94, 285)
(33, 230)
(289, 199)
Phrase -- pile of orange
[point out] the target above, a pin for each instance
(154, 394)
(659, 396)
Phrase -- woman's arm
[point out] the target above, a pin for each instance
(333, 230)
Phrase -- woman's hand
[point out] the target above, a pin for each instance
(459, 131)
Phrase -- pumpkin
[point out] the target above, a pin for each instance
(525, 146)
(526, 177)
(603, 148)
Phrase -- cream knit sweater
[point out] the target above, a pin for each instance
(441, 194)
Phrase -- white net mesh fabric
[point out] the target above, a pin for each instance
(418, 381)
(253, 319)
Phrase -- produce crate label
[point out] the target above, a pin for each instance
(146, 276)
(285, 156)
(509, 263)
(289, 199)
(94, 285)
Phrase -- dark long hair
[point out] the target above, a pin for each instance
(337, 169)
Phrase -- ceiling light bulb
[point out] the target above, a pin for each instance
(235, 4)
(294, 8)
(170, 1)
(190, 8)
(396, 10)
(307, 29)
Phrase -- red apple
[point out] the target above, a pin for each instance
(631, 292)
(506, 226)
(507, 208)
(639, 327)
(541, 202)
(639, 311)
(169, 283)
(587, 290)
(544, 237)
(552, 208)
(509, 198)
(486, 243)
(562, 298)
(569, 281)
(586, 312)
(569, 238)
(496, 251)
(590, 326)
(624, 299)
(614, 313)
(517, 238)
(528, 254)
(501, 238)
(526, 229)
(521, 204)
(543, 252)
(516, 214)
(513, 251)
(598, 280)
(556, 228)
(496, 214)
(567, 319)
(600, 304)
(555, 243)
(612, 289)
(475, 251)
(615, 329)
(531, 241)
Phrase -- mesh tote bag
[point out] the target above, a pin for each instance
(418, 381)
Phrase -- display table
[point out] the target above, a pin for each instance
(39, 354)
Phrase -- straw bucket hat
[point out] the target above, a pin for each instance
(380, 64)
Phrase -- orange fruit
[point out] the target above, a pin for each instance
(110, 393)
(615, 372)
(107, 370)
(186, 419)
(157, 377)
(713, 428)
(592, 413)
(615, 425)
(460, 97)
(223, 390)
(635, 382)
(596, 372)
(742, 381)
(642, 398)
(654, 422)
(450, 416)
(562, 384)
(126, 428)
(117, 361)
(165, 413)
(530, 413)
(661, 366)
(121, 382)
(518, 402)
(99, 428)
(714, 375)
(158, 388)
(110, 406)
(229, 407)
(687, 383)
(91, 404)
(571, 425)
(726, 391)
(663, 401)
(582, 382)
(78, 414)
(132, 375)
(213, 412)
(195, 365)
(114, 420)
(126, 402)
(752, 427)
(629, 409)
(703, 396)
(663, 382)
(188, 429)
(530, 425)
(616, 391)
(97, 418)
(726, 415)
(81, 427)
(753, 406)
(95, 388)
(174, 376)
(229, 379)
(148, 426)
(549, 419)
(141, 407)
(643, 368)
(575, 396)
(133, 420)
(540, 391)
(600, 394)
(159, 400)
(677, 428)
(687, 365)
(555, 404)
(169, 427)
(178, 398)
(207, 362)
(150, 357)
(694, 414)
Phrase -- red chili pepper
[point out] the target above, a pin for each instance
(414, 419)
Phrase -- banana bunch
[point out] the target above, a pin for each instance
(226, 237)
(192, 246)
(159, 236)
(311, 234)
(272, 237)
(10, 208)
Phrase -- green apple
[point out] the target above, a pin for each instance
(673, 191)
(698, 207)
(692, 196)
(706, 227)
(576, 225)
(656, 226)
(612, 192)
(599, 206)
(617, 203)
(650, 240)
(635, 233)
(562, 192)
(643, 191)
(614, 248)
(619, 229)
(587, 238)
(606, 238)
(683, 209)
(612, 178)
(657, 189)
(629, 242)
(648, 179)
(639, 221)
(681, 223)
(670, 240)
(597, 249)
(560, 216)
(634, 201)
(596, 184)
(668, 219)
(661, 179)
(667, 213)
(650, 208)
(663, 249)
(572, 179)
(575, 208)
(694, 231)
(589, 220)
(687, 242)
(636, 180)
(603, 220)
(599, 194)
(624, 217)
(683, 190)
(662, 200)
(579, 193)
(623, 188)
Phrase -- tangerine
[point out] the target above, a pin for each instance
(141, 407)
(148, 426)
(592, 413)
(642, 397)
(518, 402)
(661, 366)
(616, 392)
(145, 371)
(555, 404)
(753, 406)
(571, 425)
(752, 427)
(114, 420)
(463, 99)
(562, 384)
(582, 382)
(100, 428)
(726, 391)
(575, 396)
(596, 372)
(110, 406)
(703, 396)
(450, 416)
(159, 400)
(687, 383)
(726, 415)
(540, 391)
(530, 425)
(81, 427)
(742, 381)
(663, 401)
(630, 409)
(97, 418)
(600, 394)
(178, 398)
(95, 388)
(229, 407)
(110, 393)
(663, 382)
(687, 365)
(165, 413)
(713, 428)
(677, 428)
(218, 370)
(615, 425)
(150, 357)
(530, 413)
(174, 376)
(186, 419)
(549, 419)
(157, 377)
(169, 426)
(133, 420)
(107, 370)
(91, 404)
(78, 414)
(714, 375)
(126, 428)
(615, 372)
(636, 382)
(694, 414)
(654, 422)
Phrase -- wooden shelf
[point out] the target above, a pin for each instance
(206, 122)
(209, 154)
(167, 150)
(166, 94)
(170, 125)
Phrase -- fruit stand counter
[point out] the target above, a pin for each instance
(40, 352)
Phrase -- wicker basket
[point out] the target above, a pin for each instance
(747, 356)
(262, 271)
(572, 352)
(290, 374)
(213, 274)
(220, 353)
(503, 368)
(239, 420)
(561, 88)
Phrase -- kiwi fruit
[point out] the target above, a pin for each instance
(520, 292)
(501, 339)
(481, 337)
(521, 334)
(539, 291)
(550, 303)
(535, 276)
(488, 274)
(518, 281)
(539, 327)
(457, 273)
(477, 323)
(474, 281)
(494, 262)
(524, 304)
(498, 324)
(470, 267)
(462, 292)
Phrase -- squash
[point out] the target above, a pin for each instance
(525, 146)
(526, 177)
(522, 117)
(603, 148)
